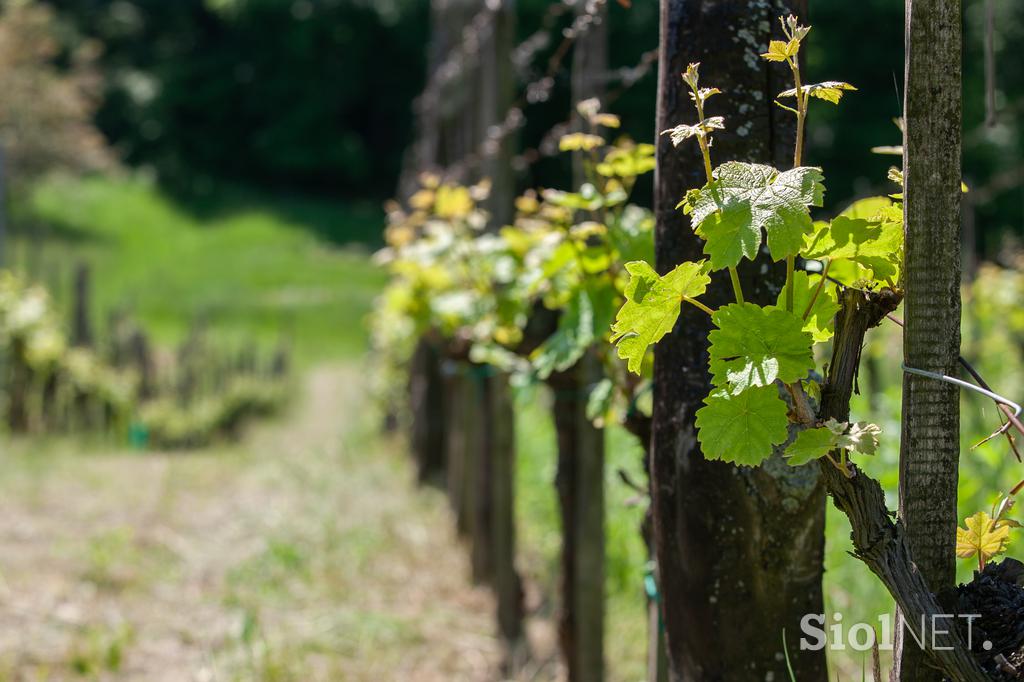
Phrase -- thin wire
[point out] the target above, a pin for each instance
(964, 384)
(536, 91)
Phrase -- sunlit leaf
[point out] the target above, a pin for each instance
(747, 198)
(754, 346)
(878, 246)
(819, 320)
(830, 91)
(742, 428)
(982, 536)
(781, 50)
(580, 142)
(809, 445)
(684, 132)
(652, 306)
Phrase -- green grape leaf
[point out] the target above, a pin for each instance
(812, 388)
(859, 437)
(599, 400)
(584, 319)
(877, 246)
(632, 234)
(868, 208)
(830, 91)
(820, 319)
(754, 346)
(742, 428)
(810, 445)
(746, 198)
(652, 306)
(731, 235)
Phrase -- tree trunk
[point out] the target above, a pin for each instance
(739, 550)
(580, 484)
(930, 443)
(580, 474)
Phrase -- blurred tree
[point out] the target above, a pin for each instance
(46, 111)
(300, 93)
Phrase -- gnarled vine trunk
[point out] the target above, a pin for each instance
(739, 550)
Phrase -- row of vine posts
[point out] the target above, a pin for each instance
(739, 551)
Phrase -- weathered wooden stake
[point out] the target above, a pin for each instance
(580, 484)
(3, 208)
(427, 409)
(81, 320)
(500, 435)
(930, 444)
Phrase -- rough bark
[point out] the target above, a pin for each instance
(878, 541)
(580, 484)
(739, 550)
(930, 444)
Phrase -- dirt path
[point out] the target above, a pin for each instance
(302, 554)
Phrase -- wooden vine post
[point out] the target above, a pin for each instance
(3, 209)
(427, 438)
(579, 479)
(508, 591)
(930, 443)
(496, 505)
(81, 320)
(739, 550)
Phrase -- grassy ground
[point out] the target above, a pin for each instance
(302, 554)
(255, 268)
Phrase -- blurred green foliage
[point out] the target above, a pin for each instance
(317, 94)
(310, 94)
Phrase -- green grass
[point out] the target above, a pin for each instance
(539, 529)
(254, 267)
